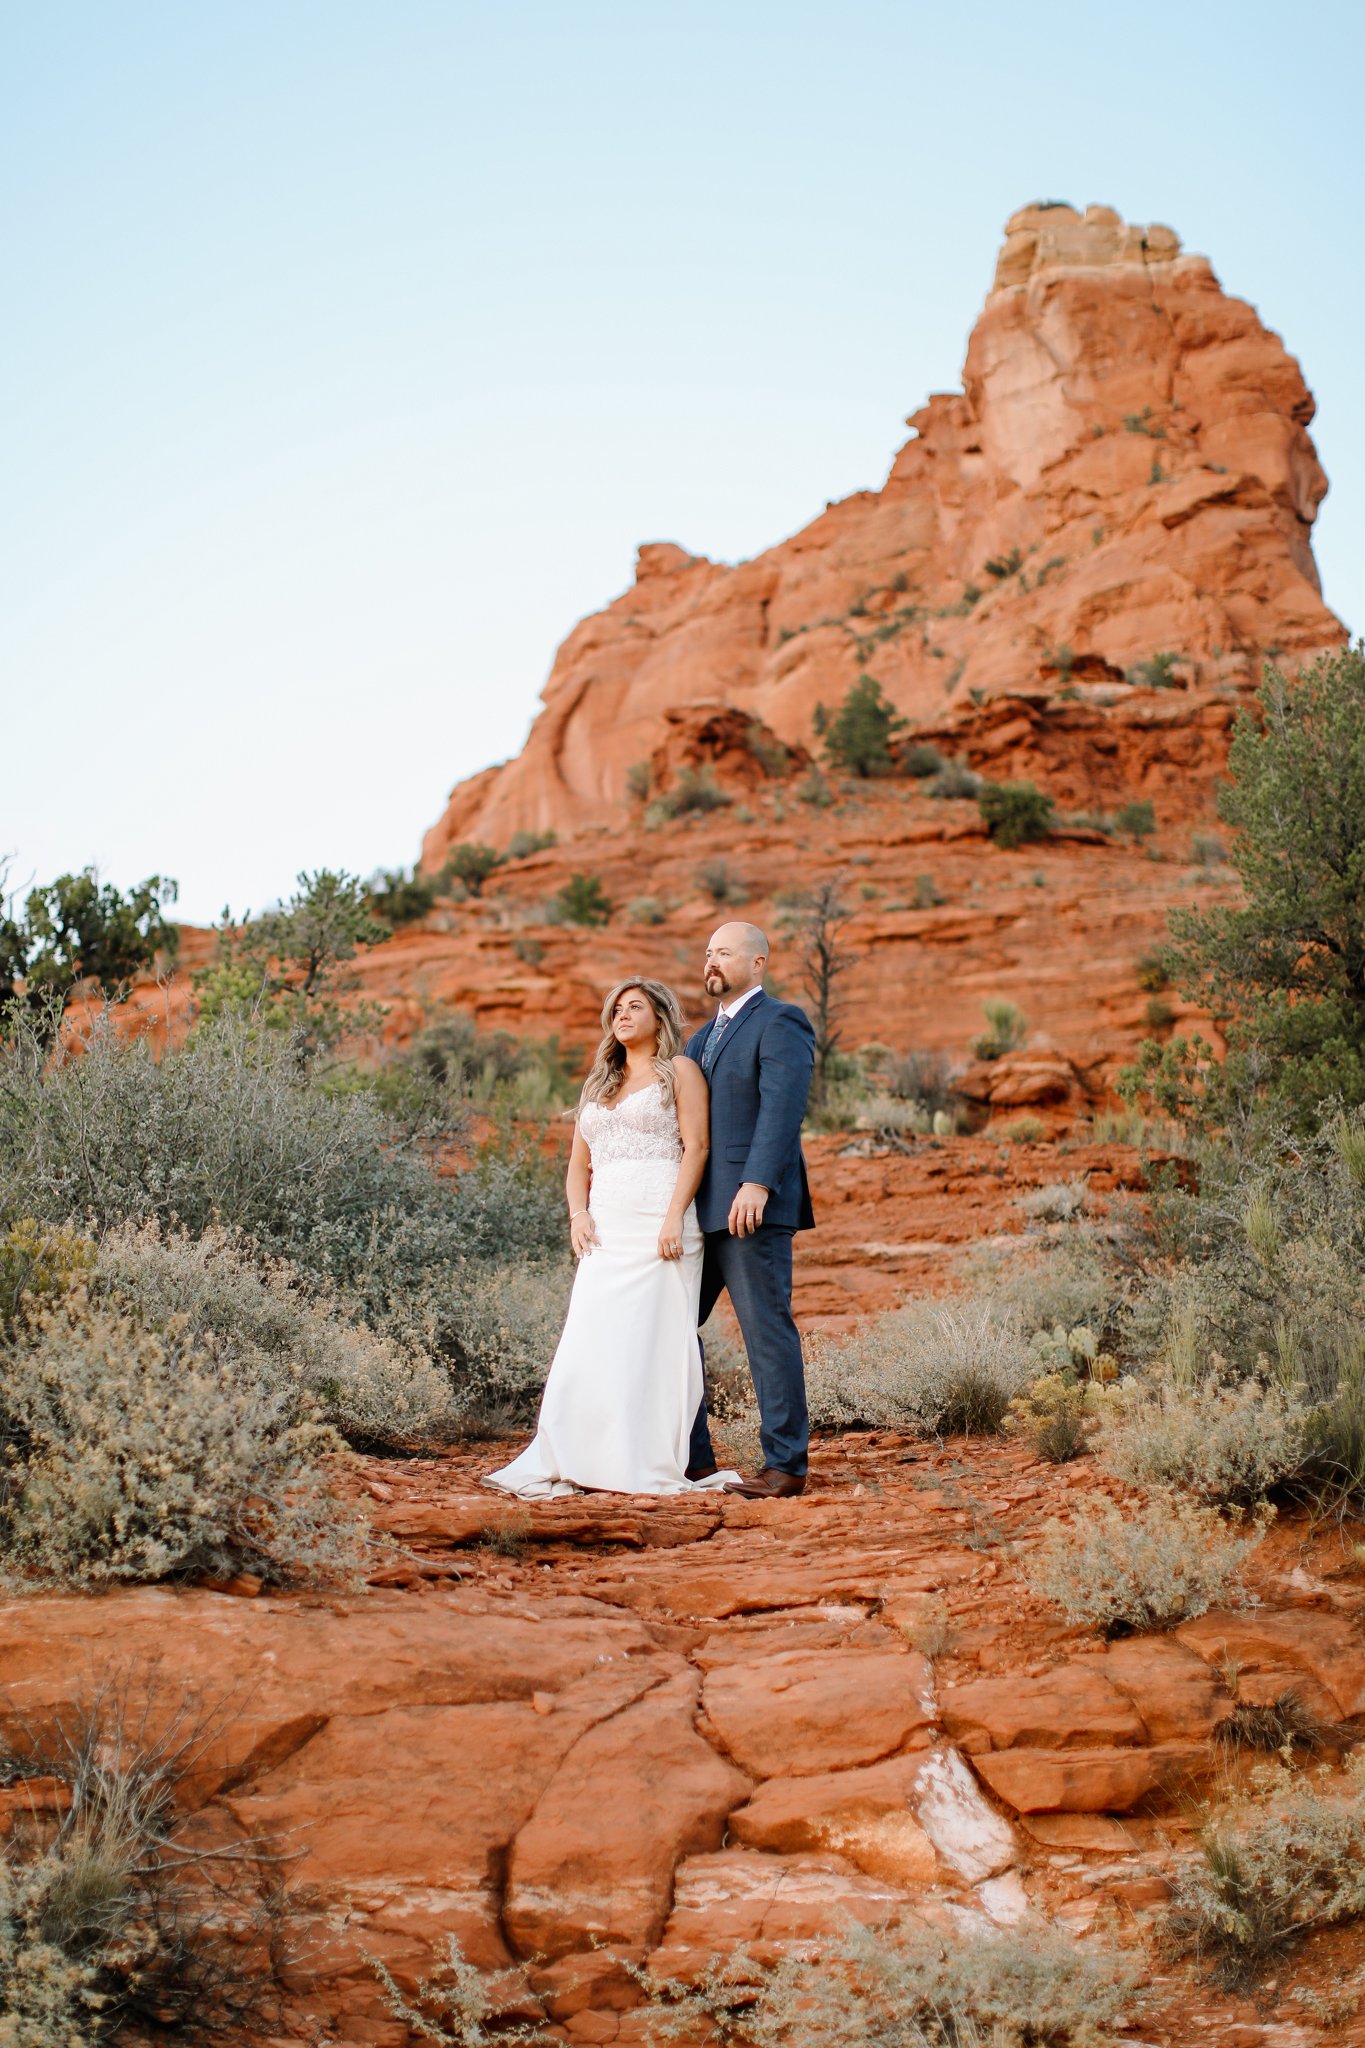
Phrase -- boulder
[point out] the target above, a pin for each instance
(806, 1712)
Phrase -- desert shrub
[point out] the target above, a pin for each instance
(814, 789)
(920, 759)
(1057, 1201)
(1230, 1445)
(1149, 1566)
(718, 880)
(1020, 1130)
(646, 910)
(399, 898)
(119, 1920)
(1158, 672)
(954, 780)
(639, 781)
(926, 894)
(1014, 812)
(131, 1455)
(892, 1116)
(858, 735)
(287, 969)
(523, 844)
(1073, 1285)
(510, 1318)
(293, 1335)
(450, 1067)
(470, 864)
(1057, 1416)
(924, 1076)
(528, 948)
(914, 1988)
(695, 791)
(1001, 566)
(1006, 1029)
(1137, 817)
(771, 754)
(936, 1368)
(38, 1260)
(582, 900)
(1284, 1861)
(1283, 1726)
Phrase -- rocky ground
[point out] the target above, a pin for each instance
(596, 1734)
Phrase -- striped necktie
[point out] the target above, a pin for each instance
(712, 1045)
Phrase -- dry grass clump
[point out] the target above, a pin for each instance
(1286, 1860)
(1143, 1567)
(934, 1368)
(135, 1455)
(121, 1913)
(1058, 1415)
(1057, 1201)
(1224, 1444)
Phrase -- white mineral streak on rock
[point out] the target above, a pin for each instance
(970, 1836)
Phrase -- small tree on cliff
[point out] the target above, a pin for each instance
(859, 734)
(817, 925)
(287, 967)
(1284, 971)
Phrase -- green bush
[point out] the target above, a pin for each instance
(523, 844)
(647, 910)
(76, 932)
(470, 864)
(718, 880)
(583, 900)
(858, 735)
(1146, 1567)
(1015, 812)
(1284, 966)
(695, 791)
(398, 898)
(1137, 817)
(639, 781)
(1006, 1029)
(286, 969)
(1157, 673)
(920, 760)
(814, 789)
(955, 780)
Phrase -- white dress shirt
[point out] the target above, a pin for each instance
(732, 1010)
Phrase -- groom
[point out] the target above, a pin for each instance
(758, 1055)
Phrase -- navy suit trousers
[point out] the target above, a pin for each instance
(756, 1272)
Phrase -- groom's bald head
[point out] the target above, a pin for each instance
(735, 959)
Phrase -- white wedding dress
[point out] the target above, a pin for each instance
(626, 1380)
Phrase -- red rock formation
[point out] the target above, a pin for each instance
(1126, 472)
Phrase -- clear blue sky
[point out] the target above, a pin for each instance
(349, 349)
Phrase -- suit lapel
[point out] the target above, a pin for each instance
(739, 1024)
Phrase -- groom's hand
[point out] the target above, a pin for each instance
(746, 1211)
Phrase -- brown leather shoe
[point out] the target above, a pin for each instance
(696, 1472)
(770, 1484)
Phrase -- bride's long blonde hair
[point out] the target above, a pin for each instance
(608, 1069)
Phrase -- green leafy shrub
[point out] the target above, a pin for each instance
(1001, 566)
(814, 789)
(286, 969)
(647, 910)
(76, 932)
(1006, 1029)
(1157, 673)
(858, 735)
(955, 780)
(583, 900)
(398, 898)
(470, 864)
(1137, 817)
(523, 844)
(510, 1319)
(920, 760)
(639, 781)
(136, 1456)
(1146, 1567)
(1275, 1866)
(718, 880)
(1015, 812)
(937, 1368)
(695, 792)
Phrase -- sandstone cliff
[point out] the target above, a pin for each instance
(1126, 473)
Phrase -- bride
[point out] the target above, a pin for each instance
(626, 1380)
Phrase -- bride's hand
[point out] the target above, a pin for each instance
(582, 1234)
(671, 1238)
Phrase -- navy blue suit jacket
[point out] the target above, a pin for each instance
(759, 1085)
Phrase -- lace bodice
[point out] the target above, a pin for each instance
(636, 1149)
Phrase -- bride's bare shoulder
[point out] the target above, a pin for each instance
(687, 1075)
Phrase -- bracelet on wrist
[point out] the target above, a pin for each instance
(576, 1212)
